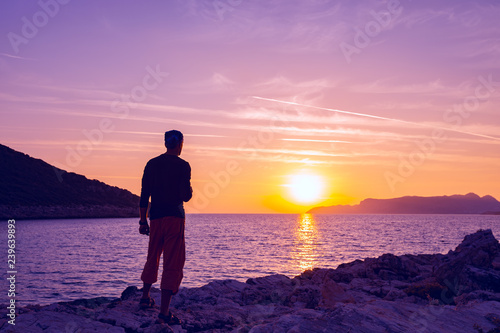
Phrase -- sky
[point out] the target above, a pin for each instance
(284, 105)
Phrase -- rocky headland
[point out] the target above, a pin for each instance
(33, 189)
(454, 292)
(470, 203)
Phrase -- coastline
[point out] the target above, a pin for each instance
(459, 291)
(59, 212)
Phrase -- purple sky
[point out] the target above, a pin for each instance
(431, 64)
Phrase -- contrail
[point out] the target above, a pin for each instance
(313, 140)
(15, 57)
(379, 117)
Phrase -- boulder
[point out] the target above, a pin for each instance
(470, 266)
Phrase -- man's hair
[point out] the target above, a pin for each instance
(173, 138)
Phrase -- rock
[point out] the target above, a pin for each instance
(477, 251)
(333, 293)
(478, 295)
(270, 289)
(478, 278)
(129, 292)
(50, 321)
(496, 262)
(457, 292)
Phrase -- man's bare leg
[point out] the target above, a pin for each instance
(145, 290)
(166, 296)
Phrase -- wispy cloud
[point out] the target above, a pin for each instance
(283, 85)
(16, 57)
(384, 86)
(317, 140)
(414, 17)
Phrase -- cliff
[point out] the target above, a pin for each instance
(455, 204)
(456, 292)
(31, 188)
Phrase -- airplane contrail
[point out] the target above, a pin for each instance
(313, 140)
(379, 117)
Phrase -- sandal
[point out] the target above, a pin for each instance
(146, 303)
(170, 319)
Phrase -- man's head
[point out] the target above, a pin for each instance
(173, 141)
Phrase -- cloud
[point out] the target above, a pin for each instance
(283, 85)
(383, 86)
(414, 17)
(17, 57)
(220, 80)
(280, 86)
(317, 140)
(300, 26)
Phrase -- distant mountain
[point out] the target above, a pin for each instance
(491, 213)
(455, 204)
(31, 189)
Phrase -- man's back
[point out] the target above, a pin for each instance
(167, 180)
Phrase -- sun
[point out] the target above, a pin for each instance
(306, 188)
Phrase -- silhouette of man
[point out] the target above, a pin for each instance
(166, 180)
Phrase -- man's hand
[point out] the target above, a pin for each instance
(144, 229)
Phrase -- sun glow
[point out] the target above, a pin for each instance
(306, 188)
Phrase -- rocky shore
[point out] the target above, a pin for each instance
(66, 212)
(456, 292)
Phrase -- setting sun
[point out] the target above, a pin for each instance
(306, 188)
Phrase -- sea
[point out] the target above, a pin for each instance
(62, 260)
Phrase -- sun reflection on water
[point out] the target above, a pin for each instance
(304, 255)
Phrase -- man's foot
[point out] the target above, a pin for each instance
(146, 303)
(169, 319)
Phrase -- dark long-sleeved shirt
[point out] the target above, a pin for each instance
(167, 180)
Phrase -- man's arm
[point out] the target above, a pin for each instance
(144, 201)
(145, 191)
(186, 190)
(143, 222)
(143, 212)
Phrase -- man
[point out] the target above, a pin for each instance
(166, 180)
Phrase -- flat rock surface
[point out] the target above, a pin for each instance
(456, 292)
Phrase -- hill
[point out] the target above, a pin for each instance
(30, 189)
(455, 204)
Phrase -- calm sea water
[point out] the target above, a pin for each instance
(61, 260)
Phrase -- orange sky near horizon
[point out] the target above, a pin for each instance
(374, 99)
